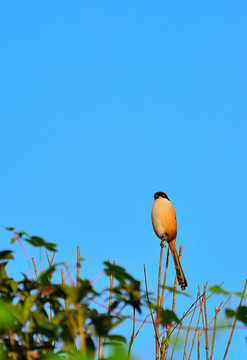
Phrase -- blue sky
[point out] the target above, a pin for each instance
(104, 103)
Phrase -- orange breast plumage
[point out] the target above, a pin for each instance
(164, 219)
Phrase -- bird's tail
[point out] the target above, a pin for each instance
(179, 271)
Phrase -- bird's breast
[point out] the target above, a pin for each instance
(164, 219)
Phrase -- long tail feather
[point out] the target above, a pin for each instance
(179, 271)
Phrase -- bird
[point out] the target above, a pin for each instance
(165, 227)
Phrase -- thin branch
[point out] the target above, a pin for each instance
(189, 311)
(63, 282)
(188, 330)
(109, 307)
(194, 338)
(198, 344)
(50, 264)
(141, 326)
(234, 323)
(176, 340)
(157, 344)
(214, 332)
(221, 307)
(50, 261)
(78, 266)
(151, 313)
(100, 342)
(25, 253)
(206, 321)
(81, 332)
(35, 269)
(165, 276)
(133, 333)
(167, 343)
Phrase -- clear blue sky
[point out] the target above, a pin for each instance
(104, 103)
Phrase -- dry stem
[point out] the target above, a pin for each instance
(194, 338)
(173, 309)
(109, 308)
(198, 344)
(133, 333)
(78, 266)
(188, 330)
(35, 269)
(234, 323)
(189, 311)
(151, 313)
(50, 264)
(214, 332)
(63, 282)
(206, 321)
(165, 276)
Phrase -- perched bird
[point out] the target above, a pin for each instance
(165, 227)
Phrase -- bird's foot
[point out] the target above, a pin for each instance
(162, 245)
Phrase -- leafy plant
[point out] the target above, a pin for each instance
(40, 319)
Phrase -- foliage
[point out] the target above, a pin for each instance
(40, 319)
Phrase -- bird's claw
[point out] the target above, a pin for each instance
(162, 245)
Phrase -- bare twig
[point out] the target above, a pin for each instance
(50, 264)
(109, 307)
(167, 343)
(176, 340)
(234, 323)
(206, 321)
(157, 344)
(141, 326)
(188, 330)
(151, 313)
(81, 332)
(133, 333)
(193, 341)
(63, 282)
(50, 261)
(35, 269)
(78, 266)
(165, 276)
(214, 332)
(221, 307)
(189, 311)
(99, 351)
(25, 253)
(198, 344)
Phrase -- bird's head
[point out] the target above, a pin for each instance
(160, 194)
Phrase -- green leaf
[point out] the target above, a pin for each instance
(8, 316)
(14, 285)
(167, 317)
(118, 352)
(44, 277)
(218, 290)
(173, 290)
(3, 274)
(13, 240)
(39, 242)
(116, 338)
(102, 323)
(240, 294)
(117, 271)
(9, 228)
(240, 314)
(27, 306)
(230, 313)
(6, 254)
